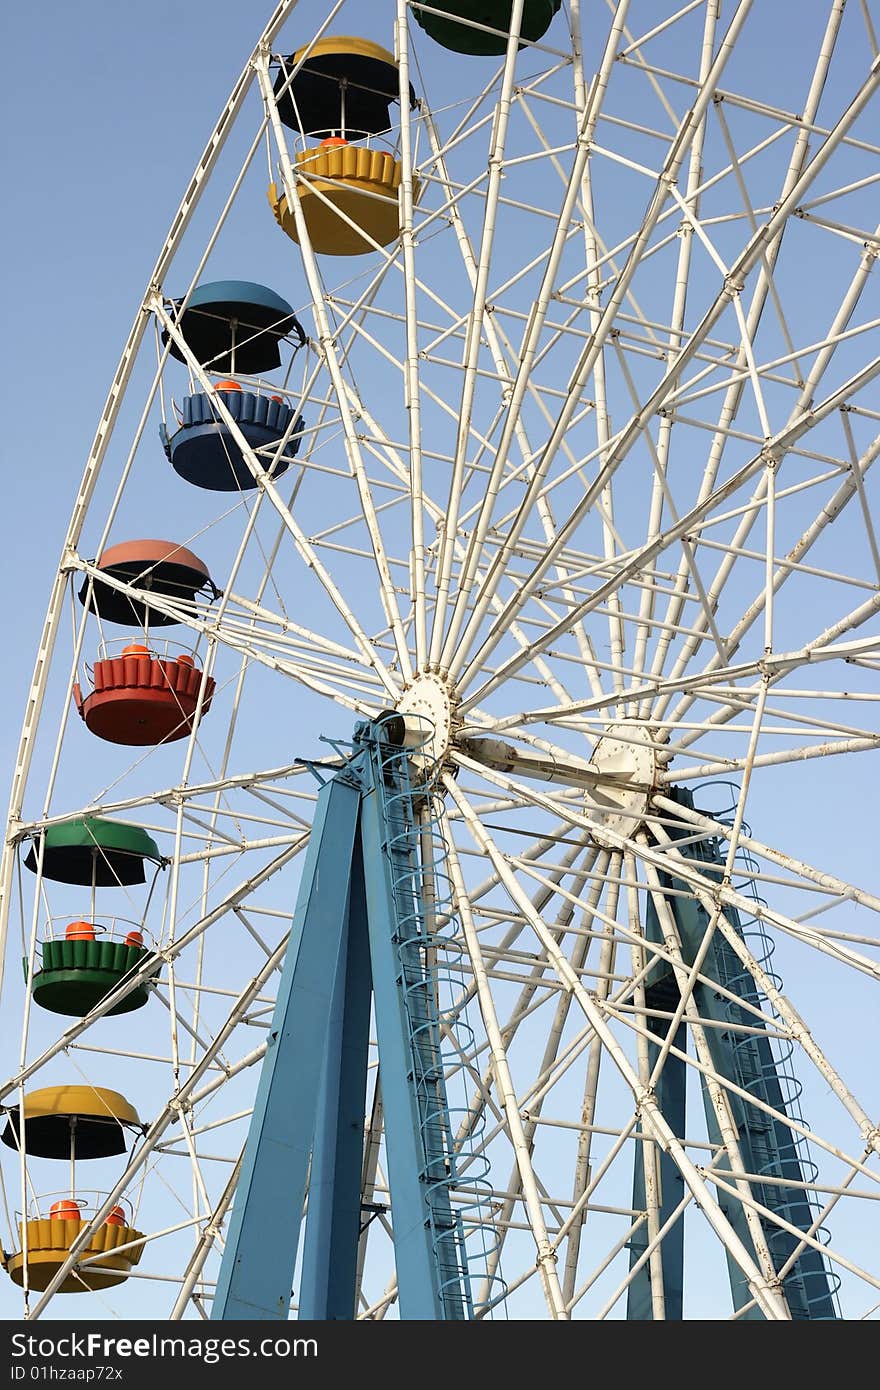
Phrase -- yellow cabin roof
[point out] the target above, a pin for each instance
(346, 43)
(95, 1101)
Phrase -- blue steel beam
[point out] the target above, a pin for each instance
(359, 925)
(333, 1218)
(420, 1240)
(767, 1146)
(393, 775)
(670, 1093)
(256, 1273)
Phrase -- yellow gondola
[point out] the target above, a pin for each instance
(342, 92)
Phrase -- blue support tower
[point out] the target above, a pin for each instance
(358, 937)
(768, 1147)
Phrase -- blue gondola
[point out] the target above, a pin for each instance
(232, 326)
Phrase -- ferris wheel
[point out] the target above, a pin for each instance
(439, 877)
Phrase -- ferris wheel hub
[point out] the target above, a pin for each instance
(428, 704)
(626, 759)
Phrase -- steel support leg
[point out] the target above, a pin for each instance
(333, 1218)
(256, 1272)
(767, 1146)
(418, 1276)
(670, 1092)
(360, 932)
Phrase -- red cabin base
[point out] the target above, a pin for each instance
(142, 700)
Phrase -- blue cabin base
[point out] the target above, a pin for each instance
(204, 452)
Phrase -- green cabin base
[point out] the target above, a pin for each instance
(77, 975)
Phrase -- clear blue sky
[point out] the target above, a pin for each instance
(106, 109)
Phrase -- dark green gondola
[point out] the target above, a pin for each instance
(444, 29)
(74, 973)
(94, 852)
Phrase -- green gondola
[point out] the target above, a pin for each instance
(537, 16)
